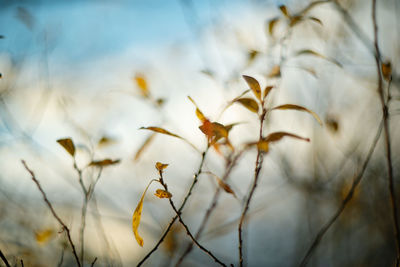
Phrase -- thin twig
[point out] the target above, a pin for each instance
(64, 226)
(94, 261)
(345, 201)
(22, 263)
(186, 227)
(4, 259)
(195, 178)
(259, 162)
(386, 120)
(212, 206)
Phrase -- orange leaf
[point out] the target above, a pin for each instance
(68, 145)
(263, 146)
(137, 215)
(142, 85)
(249, 103)
(44, 236)
(162, 194)
(254, 86)
(161, 166)
(275, 72)
(300, 108)
(386, 70)
(199, 114)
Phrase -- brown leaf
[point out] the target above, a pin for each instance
(386, 70)
(160, 130)
(161, 166)
(104, 162)
(254, 86)
(271, 25)
(313, 53)
(267, 90)
(317, 20)
(249, 103)
(225, 186)
(275, 72)
(252, 56)
(300, 108)
(294, 20)
(263, 146)
(199, 114)
(276, 136)
(284, 11)
(160, 193)
(68, 145)
(105, 140)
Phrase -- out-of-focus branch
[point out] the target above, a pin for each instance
(4, 259)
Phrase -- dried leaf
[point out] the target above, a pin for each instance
(249, 103)
(254, 86)
(225, 186)
(317, 20)
(68, 145)
(313, 53)
(284, 11)
(276, 136)
(234, 100)
(386, 70)
(142, 85)
(263, 146)
(145, 144)
(267, 90)
(136, 217)
(294, 20)
(275, 72)
(105, 141)
(199, 114)
(271, 25)
(104, 162)
(161, 166)
(160, 193)
(160, 130)
(214, 131)
(44, 236)
(300, 108)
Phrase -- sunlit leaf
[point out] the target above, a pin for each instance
(284, 11)
(160, 193)
(313, 53)
(145, 144)
(263, 146)
(300, 108)
(275, 72)
(104, 162)
(44, 236)
(249, 103)
(386, 70)
(254, 86)
(276, 136)
(214, 131)
(160, 130)
(199, 114)
(142, 85)
(271, 25)
(161, 166)
(136, 218)
(267, 90)
(68, 145)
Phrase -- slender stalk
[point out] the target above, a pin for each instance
(345, 201)
(4, 259)
(195, 178)
(259, 162)
(64, 226)
(386, 120)
(186, 227)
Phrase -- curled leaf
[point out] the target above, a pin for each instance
(313, 53)
(142, 85)
(300, 108)
(137, 216)
(199, 114)
(68, 145)
(44, 236)
(160, 193)
(277, 136)
(161, 166)
(249, 103)
(104, 162)
(254, 86)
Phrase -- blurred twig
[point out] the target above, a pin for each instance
(64, 226)
(4, 259)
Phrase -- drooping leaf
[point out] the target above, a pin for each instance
(199, 114)
(275, 72)
(284, 11)
(267, 90)
(104, 162)
(160, 193)
(254, 86)
(300, 108)
(313, 53)
(160, 130)
(249, 103)
(271, 25)
(142, 85)
(137, 216)
(276, 136)
(145, 144)
(44, 236)
(68, 145)
(161, 166)
(386, 70)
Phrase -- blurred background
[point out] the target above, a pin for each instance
(97, 71)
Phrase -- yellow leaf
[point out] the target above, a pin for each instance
(160, 130)
(44, 236)
(271, 25)
(68, 145)
(145, 144)
(225, 186)
(214, 131)
(254, 86)
(267, 90)
(142, 85)
(263, 146)
(386, 70)
(137, 215)
(199, 114)
(161, 166)
(313, 53)
(249, 103)
(275, 72)
(284, 11)
(276, 136)
(300, 108)
(160, 193)
(104, 162)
